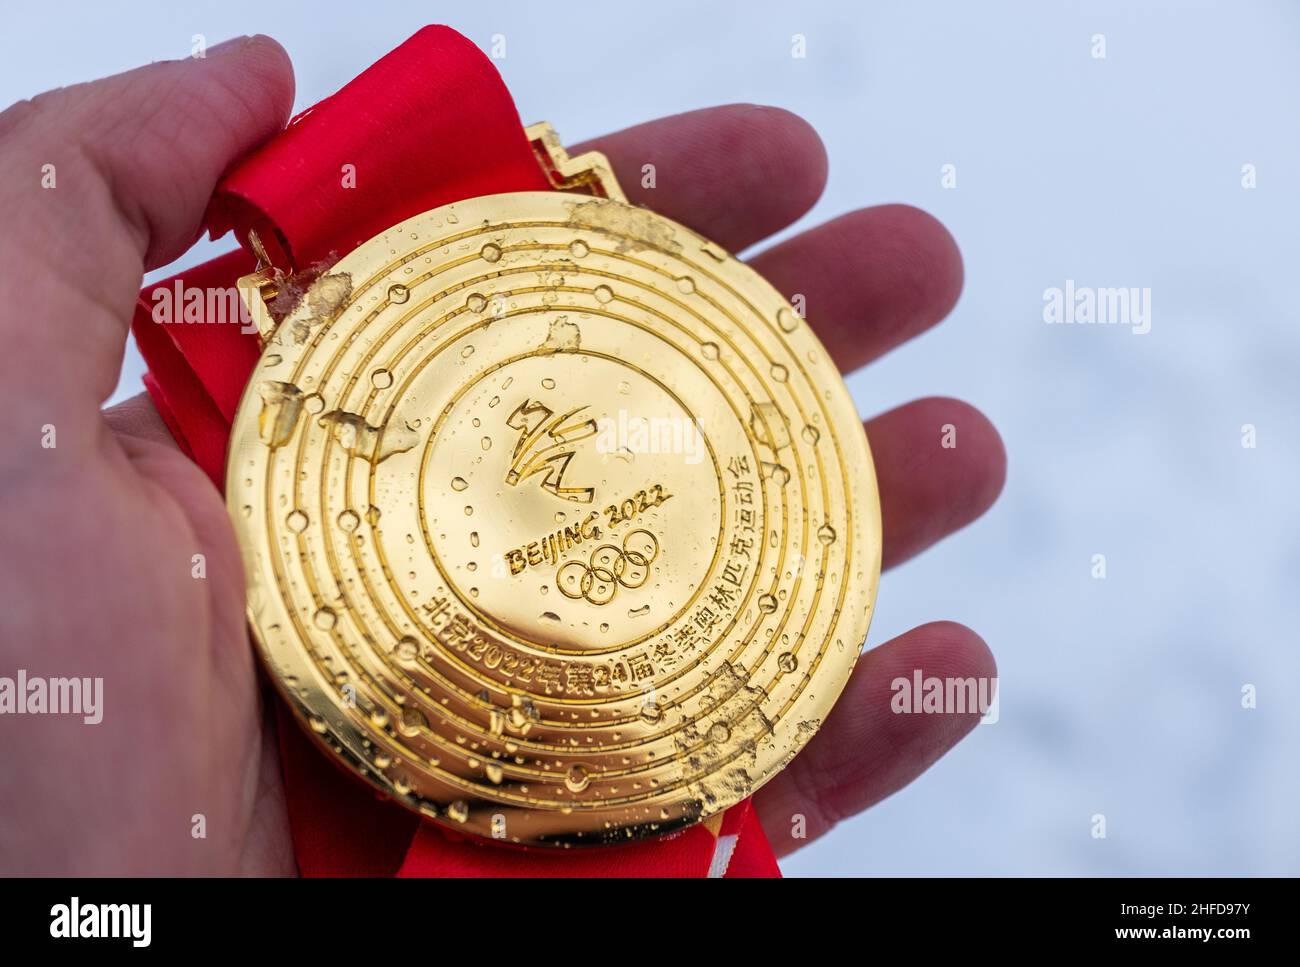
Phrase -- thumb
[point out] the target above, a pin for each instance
(100, 182)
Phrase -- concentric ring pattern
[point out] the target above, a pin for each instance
(559, 524)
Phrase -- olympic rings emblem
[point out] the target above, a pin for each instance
(608, 568)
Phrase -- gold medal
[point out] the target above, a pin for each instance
(559, 524)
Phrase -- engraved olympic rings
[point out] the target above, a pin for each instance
(608, 568)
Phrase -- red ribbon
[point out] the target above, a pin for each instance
(429, 124)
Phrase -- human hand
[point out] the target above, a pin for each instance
(99, 532)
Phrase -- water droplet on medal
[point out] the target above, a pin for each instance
(780, 373)
(318, 725)
(719, 732)
(826, 534)
(766, 603)
(381, 378)
(476, 303)
(780, 474)
(296, 521)
(406, 648)
(324, 619)
(709, 350)
(486, 443)
(579, 249)
(467, 352)
(313, 403)
(413, 720)
(473, 538)
(603, 294)
(787, 320)
(576, 779)
(398, 293)
(651, 713)
(490, 252)
(469, 511)
(787, 662)
(811, 434)
(458, 484)
(686, 285)
(494, 773)
(272, 359)
(349, 521)
(548, 383)
(458, 811)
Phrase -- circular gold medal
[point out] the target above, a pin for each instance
(560, 526)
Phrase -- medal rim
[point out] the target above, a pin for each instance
(863, 512)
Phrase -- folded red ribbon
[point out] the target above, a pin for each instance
(429, 124)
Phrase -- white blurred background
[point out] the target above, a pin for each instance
(1119, 696)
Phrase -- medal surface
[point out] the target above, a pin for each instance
(559, 524)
